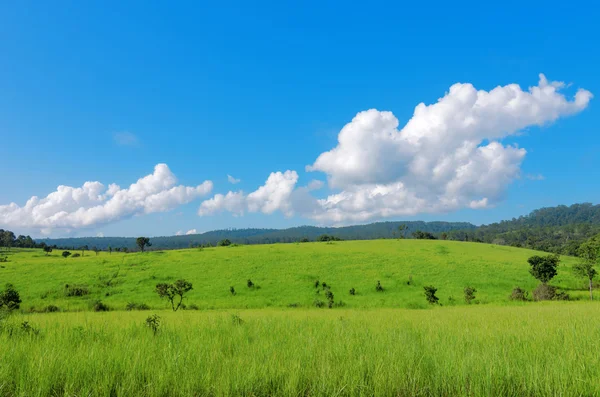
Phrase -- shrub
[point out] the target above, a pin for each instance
(544, 292)
(193, 306)
(430, 291)
(352, 291)
(236, 320)
(153, 322)
(232, 290)
(66, 254)
(410, 280)
(10, 298)
(137, 306)
(250, 283)
(324, 284)
(75, 256)
(293, 305)
(519, 294)
(3, 259)
(76, 290)
(224, 243)
(379, 287)
(469, 294)
(51, 309)
(98, 306)
(317, 284)
(562, 296)
(27, 328)
(319, 303)
(304, 240)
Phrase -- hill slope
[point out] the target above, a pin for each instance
(286, 274)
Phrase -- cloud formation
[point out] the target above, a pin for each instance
(126, 139)
(448, 156)
(233, 180)
(94, 204)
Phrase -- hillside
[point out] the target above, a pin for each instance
(285, 273)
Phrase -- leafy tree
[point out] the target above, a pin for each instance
(224, 243)
(47, 249)
(543, 268)
(586, 270)
(66, 254)
(469, 294)
(7, 238)
(423, 235)
(430, 291)
(171, 291)
(9, 298)
(143, 242)
(590, 253)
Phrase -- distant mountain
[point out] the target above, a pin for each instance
(265, 236)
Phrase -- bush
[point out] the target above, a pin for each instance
(352, 291)
(75, 256)
(224, 243)
(250, 283)
(10, 298)
(232, 290)
(562, 296)
(379, 287)
(236, 320)
(193, 306)
(3, 259)
(137, 306)
(430, 291)
(76, 290)
(304, 240)
(153, 322)
(51, 309)
(519, 294)
(317, 284)
(98, 306)
(66, 254)
(410, 280)
(319, 303)
(545, 292)
(469, 294)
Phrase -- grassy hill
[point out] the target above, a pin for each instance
(285, 274)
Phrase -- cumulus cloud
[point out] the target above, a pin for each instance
(233, 180)
(125, 139)
(273, 196)
(448, 156)
(94, 204)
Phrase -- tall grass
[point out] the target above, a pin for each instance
(536, 349)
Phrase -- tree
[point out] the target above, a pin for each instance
(430, 291)
(8, 238)
(402, 230)
(171, 291)
(143, 242)
(66, 254)
(590, 253)
(469, 294)
(543, 268)
(109, 250)
(9, 298)
(96, 250)
(47, 249)
(423, 235)
(224, 243)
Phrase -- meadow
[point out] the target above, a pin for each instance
(272, 340)
(284, 275)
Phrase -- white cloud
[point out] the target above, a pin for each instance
(535, 177)
(99, 234)
(233, 180)
(92, 204)
(191, 231)
(273, 196)
(179, 233)
(447, 157)
(125, 138)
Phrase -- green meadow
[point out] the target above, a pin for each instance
(284, 274)
(270, 340)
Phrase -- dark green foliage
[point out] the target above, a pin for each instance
(193, 306)
(76, 255)
(232, 290)
(379, 287)
(10, 298)
(171, 291)
(66, 254)
(153, 322)
(51, 309)
(224, 243)
(430, 294)
(519, 294)
(327, 237)
(76, 290)
(28, 329)
(324, 284)
(317, 284)
(543, 268)
(47, 249)
(137, 306)
(562, 296)
(98, 306)
(352, 291)
(250, 284)
(142, 243)
(469, 294)
(3, 259)
(423, 235)
(319, 303)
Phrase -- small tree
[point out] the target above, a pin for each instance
(109, 250)
(224, 243)
(96, 250)
(232, 290)
(469, 294)
(153, 322)
(47, 249)
(9, 298)
(143, 242)
(379, 287)
(66, 254)
(171, 291)
(250, 284)
(352, 291)
(430, 291)
(544, 267)
(586, 270)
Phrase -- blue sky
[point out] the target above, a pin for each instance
(105, 91)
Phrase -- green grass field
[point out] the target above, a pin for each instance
(254, 344)
(285, 273)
